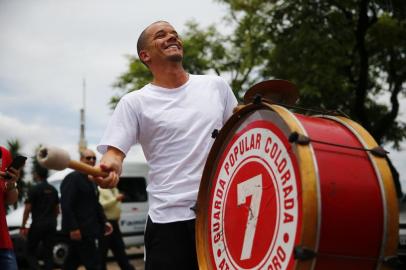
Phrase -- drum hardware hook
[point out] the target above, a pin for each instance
(215, 133)
(379, 151)
(393, 262)
(299, 138)
(295, 137)
(334, 112)
(302, 253)
(257, 99)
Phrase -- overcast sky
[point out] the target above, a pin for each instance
(47, 47)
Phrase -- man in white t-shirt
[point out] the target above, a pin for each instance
(172, 118)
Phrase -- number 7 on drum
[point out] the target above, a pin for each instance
(251, 187)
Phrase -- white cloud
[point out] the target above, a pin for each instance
(30, 135)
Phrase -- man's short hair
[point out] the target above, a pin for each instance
(141, 43)
(41, 172)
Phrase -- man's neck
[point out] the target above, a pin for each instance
(170, 76)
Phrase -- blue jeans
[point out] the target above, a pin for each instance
(8, 259)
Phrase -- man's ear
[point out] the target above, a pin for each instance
(144, 56)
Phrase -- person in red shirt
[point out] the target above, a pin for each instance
(8, 195)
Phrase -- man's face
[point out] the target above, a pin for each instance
(163, 43)
(89, 157)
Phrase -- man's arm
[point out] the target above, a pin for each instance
(57, 210)
(26, 214)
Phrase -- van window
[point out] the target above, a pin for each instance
(133, 188)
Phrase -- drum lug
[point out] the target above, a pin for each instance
(299, 138)
(302, 253)
(379, 151)
(257, 99)
(393, 262)
(215, 133)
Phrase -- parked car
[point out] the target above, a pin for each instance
(133, 215)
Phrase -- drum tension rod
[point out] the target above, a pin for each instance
(301, 139)
(302, 253)
(257, 99)
(393, 262)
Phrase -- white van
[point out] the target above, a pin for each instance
(133, 215)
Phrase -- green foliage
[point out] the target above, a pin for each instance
(348, 55)
(136, 77)
(35, 167)
(14, 147)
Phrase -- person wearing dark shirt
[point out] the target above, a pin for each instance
(43, 205)
(83, 217)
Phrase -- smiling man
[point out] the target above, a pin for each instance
(172, 118)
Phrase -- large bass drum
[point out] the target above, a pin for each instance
(282, 190)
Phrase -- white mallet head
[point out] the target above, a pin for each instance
(53, 158)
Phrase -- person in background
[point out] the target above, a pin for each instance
(83, 217)
(172, 118)
(43, 205)
(8, 196)
(111, 199)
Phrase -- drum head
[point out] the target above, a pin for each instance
(275, 91)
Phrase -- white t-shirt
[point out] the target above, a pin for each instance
(174, 128)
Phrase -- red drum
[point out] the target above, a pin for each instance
(282, 190)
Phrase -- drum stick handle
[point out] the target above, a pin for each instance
(87, 169)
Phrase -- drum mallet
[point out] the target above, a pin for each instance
(58, 159)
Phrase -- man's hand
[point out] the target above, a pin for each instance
(23, 232)
(111, 162)
(120, 197)
(11, 185)
(14, 173)
(75, 235)
(108, 229)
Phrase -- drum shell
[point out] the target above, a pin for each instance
(348, 204)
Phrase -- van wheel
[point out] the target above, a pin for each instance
(60, 251)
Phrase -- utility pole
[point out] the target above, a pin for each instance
(82, 139)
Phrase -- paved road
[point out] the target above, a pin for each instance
(137, 259)
(136, 256)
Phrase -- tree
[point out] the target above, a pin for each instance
(348, 55)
